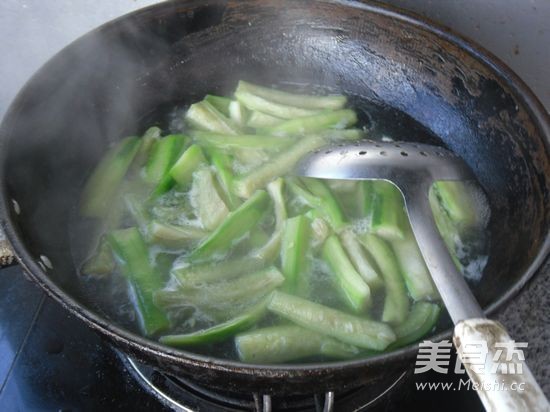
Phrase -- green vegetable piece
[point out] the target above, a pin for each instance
(421, 321)
(328, 204)
(210, 207)
(189, 161)
(148, 140)
(456, 198)
(152, 134)
(332, 102)
(270, 250)
(257, 238)
(339, 119)
(219, 332)
(214, 272)
(411, 263)
(101, 263)
(345, 134)
(104, 183)
(275, 190)
(230, 295)
(360, 260)
(396, 303)
(357, 331)
(278, 344)
(346, 191)
(222, 166)
(204, 116)
(174, 236)
(236, 224)
(320, 229)
(448, 230)
(259, 119)
(162, 157)
(388, 213)
(248, 141)
(350, 283)
(135, 205)
(238, 113)
(131, 250)
(278, 166)
(220, 103)
(365, 198)
(294, 248)
(256, 103)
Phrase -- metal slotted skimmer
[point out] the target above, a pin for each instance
(413, 168)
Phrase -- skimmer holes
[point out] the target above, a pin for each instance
(423, 154)
(404, 154)
(362, 152)
(383, 153)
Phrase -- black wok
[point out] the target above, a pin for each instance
(400, 70)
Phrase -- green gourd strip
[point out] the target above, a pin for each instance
(355, 290)
(286, 343)
(339, 119)
(219, 332)
(411, 263)
(236, 224)
(220, 103)
(104, 183)
(280, 165)
(101, 262)
(355, 330)
(258, 119)
(360, 260)
(332, 102)
(132, 252)
(248, 141)
(213, 272)
(204, 116)
(327, 202)
(162, 157)
(174, 236)
(148, 140)
(228, 294)
(222, 165)
(256, 103)
(388, 213)
(238, 113)
(210, 207)
(188, 162)
(421, 320)
(396, 302)
(456, 199)
(294, 248)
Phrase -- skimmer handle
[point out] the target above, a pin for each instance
(498, 390)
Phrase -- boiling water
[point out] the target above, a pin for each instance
(111, 296)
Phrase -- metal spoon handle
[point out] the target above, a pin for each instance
(511, 387)
(500, 375)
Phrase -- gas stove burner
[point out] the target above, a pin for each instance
(183, 394)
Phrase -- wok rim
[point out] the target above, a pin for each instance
(538, 115)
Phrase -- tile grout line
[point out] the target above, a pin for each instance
(23, 342)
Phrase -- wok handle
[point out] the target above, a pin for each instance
(502, 379)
